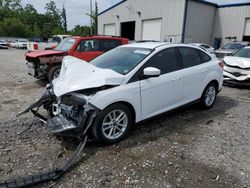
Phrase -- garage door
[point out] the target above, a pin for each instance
(109, 29)
(151, 29)
(247, 27)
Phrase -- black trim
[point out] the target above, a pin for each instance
(184, 22)
(111, 7)
(206, 2)
(234, 5)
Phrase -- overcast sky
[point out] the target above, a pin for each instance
(76, 9)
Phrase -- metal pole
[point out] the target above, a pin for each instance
(91, 21)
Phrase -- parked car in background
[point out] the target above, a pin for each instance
(13, 43)
(4, 47)
(47, 64)
(206, 47)
(21, 43)
(230, 49)
(4, 43)
(126, 85)
(237, 67)
(39, 45)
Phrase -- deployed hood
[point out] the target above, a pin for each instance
(77, 74)
(44, 53)
(238, 62)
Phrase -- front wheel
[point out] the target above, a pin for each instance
(209, 96)
(112, 124)
(54, 73)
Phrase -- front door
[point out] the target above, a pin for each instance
(162, 93)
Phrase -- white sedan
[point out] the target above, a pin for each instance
(127, 85)
(206, 47)
(237, 67)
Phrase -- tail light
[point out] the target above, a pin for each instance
(53, 47)
(221, 64)
(35, 46)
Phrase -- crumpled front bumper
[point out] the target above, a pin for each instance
(235, 75)
(60, 124)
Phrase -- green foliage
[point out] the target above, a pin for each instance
(13, 27)
(18, 21)
(81, 30)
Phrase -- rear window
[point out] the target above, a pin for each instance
(106, 45)
(190, 57)
(204, 57)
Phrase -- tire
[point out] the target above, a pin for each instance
(209, 96)
(53, 73)
(106, 132)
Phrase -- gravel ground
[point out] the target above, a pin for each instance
(186, 148)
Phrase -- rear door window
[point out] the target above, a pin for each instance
(165, 60)
(190, 57)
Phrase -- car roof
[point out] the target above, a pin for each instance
(153, 45)
(198, 44)
(98, 37)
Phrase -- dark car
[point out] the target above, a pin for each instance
(230, 48)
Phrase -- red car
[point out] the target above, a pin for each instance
(47, 64)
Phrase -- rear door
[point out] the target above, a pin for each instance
(91, 48)
(194, 72)
(87, 49)
(164, 92)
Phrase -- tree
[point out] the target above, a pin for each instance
(64, 19)
(53, 13)
(13, 27)
(81, 30)
(94, 19)
(30, 9)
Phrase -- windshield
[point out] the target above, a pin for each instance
(233, 46)
(122, 59)
(65, 45)
(245, 52)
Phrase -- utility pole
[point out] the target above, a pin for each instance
(91, 20)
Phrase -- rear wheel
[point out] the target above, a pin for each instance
(54, 73)
(209, 96)
(112, 124)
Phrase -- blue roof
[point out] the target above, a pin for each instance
(217, 3)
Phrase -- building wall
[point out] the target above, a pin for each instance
(200, 22)
(230, 22)
(171, 12)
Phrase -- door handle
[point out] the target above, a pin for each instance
(176, 79)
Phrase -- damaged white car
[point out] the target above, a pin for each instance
(237, 67)
(126, 85)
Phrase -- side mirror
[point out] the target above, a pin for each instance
(151, 72)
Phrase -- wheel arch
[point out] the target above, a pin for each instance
(212, 81)
(129, 105)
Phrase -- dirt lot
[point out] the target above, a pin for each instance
(187, 148)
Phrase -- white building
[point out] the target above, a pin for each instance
(177, 21)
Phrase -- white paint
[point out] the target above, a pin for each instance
(148, 97)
